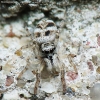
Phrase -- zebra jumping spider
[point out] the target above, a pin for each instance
(45, 41)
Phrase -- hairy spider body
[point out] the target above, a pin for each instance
(45, 38)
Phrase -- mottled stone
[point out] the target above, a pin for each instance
(95, 92)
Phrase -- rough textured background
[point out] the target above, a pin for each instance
(78, 23)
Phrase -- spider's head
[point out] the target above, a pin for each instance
(46, 31)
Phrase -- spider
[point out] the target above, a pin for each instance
(46, 36)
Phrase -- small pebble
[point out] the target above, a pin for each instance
(72, 75)
(98, 70)
(94, 59)
(9, 80)
(95, 92)
(90, 65)
(0, 68)
(98, 40)
(70, 91)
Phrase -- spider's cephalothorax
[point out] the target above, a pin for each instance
(46, 31)
(45, 36)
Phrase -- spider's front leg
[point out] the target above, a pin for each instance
(37, 82)
(38, 72)
(19, 51)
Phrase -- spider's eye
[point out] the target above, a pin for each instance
(47, 33)
(50, 24)
(37, 34)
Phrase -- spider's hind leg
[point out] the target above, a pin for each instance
(38, 75)
(63, 80)
(37, 83)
